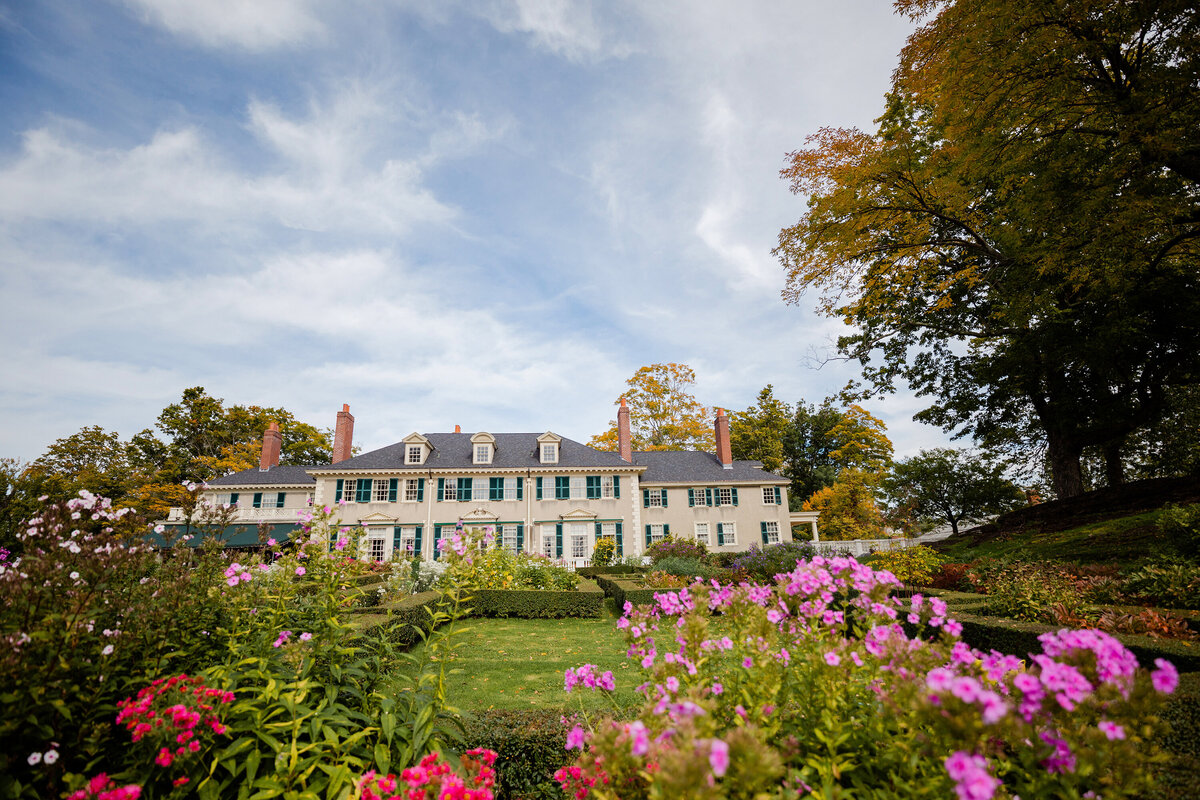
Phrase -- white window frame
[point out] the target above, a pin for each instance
(725, 496)
(607, 490)
(579, 548)
(729, 534)
(549, 452)
(450, 489)
(270, 500)
(483, 453)
(578, 487)
(656, 532)
(608, 530)
(380, 490)
(414, 454)
(772, 535)
(549, 541)
(223, 499)
(769, 495)
(701, 532)
(510, 488)
(376, 548)
(655, 498)
(480, 489)
(412, 487)
(408, 540)
(508, 537)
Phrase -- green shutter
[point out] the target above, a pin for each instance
(420, 491)
(258, 499)
(495, 488)
(520, 487)
(437, 535)
(279, 501)
(762, 527)
(337, 495)
(708, 497)
(441, 489)
(778, 496)
(393, 485)
(598, 531)
(691, 498)
(648, 539)
(616, 485)
(666, 530)
(396, 543)
(233, 498)
(364, 490)
(735, 495)
(464, 490)
(664, 498)
(720, 535)
(417, 542)
(645, 498)
(593, 487)
(520, 535)
(562, 487)
(539, 488)
(620, 543)
(558, 540)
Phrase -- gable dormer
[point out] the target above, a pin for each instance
(416, 449)
(549, 448)
(483, 448)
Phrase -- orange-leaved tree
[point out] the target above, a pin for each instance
(663, 414)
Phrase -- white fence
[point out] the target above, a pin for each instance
(860, 547)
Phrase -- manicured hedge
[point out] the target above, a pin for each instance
(530, 746)
(614, 569)
(586, 601)
(623, 591)
(414, 612)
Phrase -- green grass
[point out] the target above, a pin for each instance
(1121, 539)
(519, 663)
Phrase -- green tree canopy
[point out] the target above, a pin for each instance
(950, 486)
(1018, 240)
(757, 434)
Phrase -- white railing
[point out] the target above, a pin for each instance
(246, 514)
(860, 547)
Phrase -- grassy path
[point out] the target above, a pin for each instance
(519, 663)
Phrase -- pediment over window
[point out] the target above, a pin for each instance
(416, 448)
(376, 518)
(578, 514)
(549, 445)
(480, 515)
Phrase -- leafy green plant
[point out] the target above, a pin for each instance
(684, 567)
(1172, 583)
(914, 566)
(766, 562)
(1181, 525)
(605, 552)
(1035, 592)
(671, 547)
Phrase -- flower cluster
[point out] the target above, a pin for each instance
(236, 573)
(433, 779)
(102, 787)
(174, 715)
(586, 675)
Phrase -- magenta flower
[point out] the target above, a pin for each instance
(1111, 729)
(304, 637)
(575, 738)
(970, 775)
(832, 659)
(1165, 678)
(640, 744)
(718, 757)
(300, 571)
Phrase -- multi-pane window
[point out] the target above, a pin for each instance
(725, 494)
(451, 490)
(549, 453)
(656, 533)
(375, 551)
(510, 488)
(408, 541)
(508, 537)
(606, 486)
(728, 533)
(549, 543)
(608, 529)
(483, 454)
(414, 454)
(269, 500)
(655, 499)
(411, 490)
(702, 532)
(768, 495)
(380, 494)
(223, 499)
(701, 496)
(479, 488)
(578, 487)
(771, 529)
(579, 546)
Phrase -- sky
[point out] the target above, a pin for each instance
(485, 213)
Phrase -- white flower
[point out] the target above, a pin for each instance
(34, 758)
(74, 576)
(108, 648)
(50, 757)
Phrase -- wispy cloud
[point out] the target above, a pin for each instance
(257, 25)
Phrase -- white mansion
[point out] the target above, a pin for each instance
(539, 492)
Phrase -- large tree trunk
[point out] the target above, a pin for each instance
(1066, 473)
(1114, 468)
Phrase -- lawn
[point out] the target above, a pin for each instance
(519, 663)
(1121, 539)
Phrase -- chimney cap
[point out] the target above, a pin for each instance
(274, 426)
(622, 402)
(346, 407)
(458, 428)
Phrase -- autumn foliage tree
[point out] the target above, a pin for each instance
(1018, 239)
(663, 414)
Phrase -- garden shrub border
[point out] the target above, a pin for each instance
(585, 601)
(614, 569)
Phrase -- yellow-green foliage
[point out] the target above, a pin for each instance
(848, 508)
(474, 561)
(604, 552)
(914, 566)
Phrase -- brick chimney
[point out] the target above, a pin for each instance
(458, 428)
(343, 434)
(624, 439)
(272, 445)
(724, 450)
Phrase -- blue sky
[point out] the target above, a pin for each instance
(478, 213)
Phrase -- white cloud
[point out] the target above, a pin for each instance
(253, 25)
(563, 27)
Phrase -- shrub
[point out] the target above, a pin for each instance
(670, 547)
(586, 600)
(684, 567)
(1181, 526)
(765, 563)
(474, 561)
(950, 576)
(1166, 582)
(1042, 592)
(528, 746)
(914, 566)
(605, 552)
(665, 580)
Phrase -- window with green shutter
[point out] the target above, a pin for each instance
(520, 488)
(464, 489)
(664, 498)
(520, 537)
(558, 540)
(720, 535)
(258, 499)
(735, 495)
(280, 499)
(538, 494)
(363, 493)
(762, 527)
(593, 487)
(420, 493)
(393, 485)
(417, 542)
(337, 494)
(620, 541)
(616, 486)
(233, 499)
(709, 496)
(562, 488)
(495, 488)
(691, 498)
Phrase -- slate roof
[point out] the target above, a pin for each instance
(275, 476)
(454, 451)
(699, 468)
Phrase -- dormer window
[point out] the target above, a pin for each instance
(549, 452)
(414, 454)
(483, 454)
(483, 446)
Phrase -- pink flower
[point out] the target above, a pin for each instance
(747, 662)
(717, 688)
(575, 738)
(832, 659)
(300, 571)
(718, 757)
(970, 775)
(304, 637)
(641, 738)
(1165, 678)
(1111, 729)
